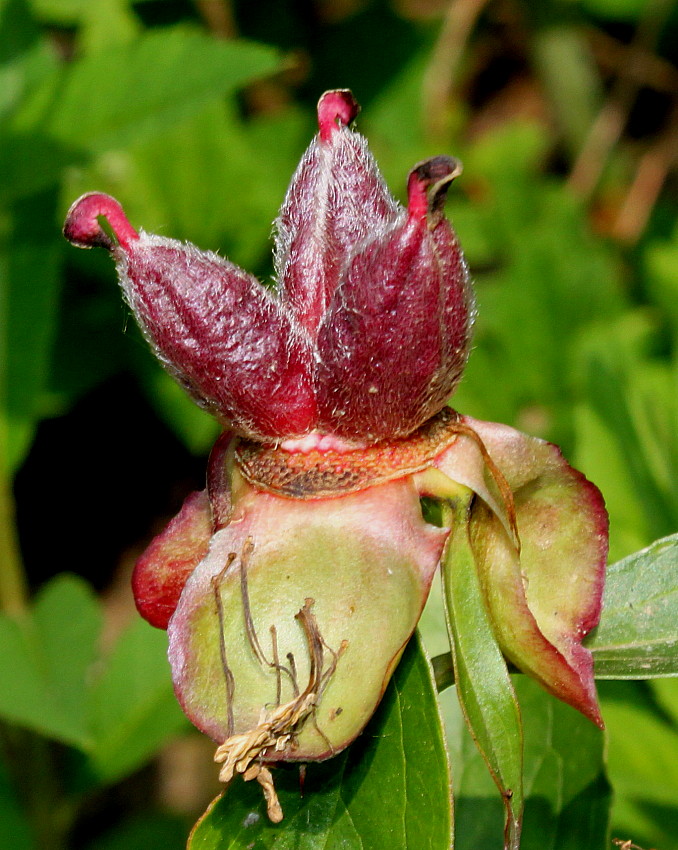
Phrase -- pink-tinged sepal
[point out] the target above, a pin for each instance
(162, 571)
(240, 653)
(337, 199)
(544, 596)
(377, 377)
(224, 337)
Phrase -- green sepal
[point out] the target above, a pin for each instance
(543, 594)
(484, 687)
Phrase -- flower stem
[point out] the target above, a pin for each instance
(13, 586)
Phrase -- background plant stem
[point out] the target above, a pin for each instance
(13, 585)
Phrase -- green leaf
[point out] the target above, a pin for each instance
(637, 637)
(666, 693)
(567, 793)
(616, 10)
(29, 288)
(647, 824)
(67, 623)
(642, 414)
(13, 822)
(106, 23)
(145, 831)
(29, 163)
(567, 797)
(478, 810)
(569, 76)
(133, 710)
(66, 13)
(46, 671)
(25, 54)
(390, 788)
(661, 260)
(642, 765)
(45, 662)
(600, 458)
(642, 761)
(628, 436)
(483, 684)
(111, 98)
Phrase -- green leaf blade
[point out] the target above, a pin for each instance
(142, 87)
(30, 284)
(68, 623)
(45, 662)
(567, 793)
(13, 821)
(132, 706)
(637, 637)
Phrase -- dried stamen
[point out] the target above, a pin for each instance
(276, 665)
(250, 631)
(293, 668)
(265, 779)
(228, 675)
(278, 728)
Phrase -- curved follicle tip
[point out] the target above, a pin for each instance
(336, 108)
(427, 186)
(83, 228)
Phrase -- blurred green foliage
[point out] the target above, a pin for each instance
(194, 115)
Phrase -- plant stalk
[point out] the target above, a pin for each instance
(13, 585)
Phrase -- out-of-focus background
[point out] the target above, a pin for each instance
(193, 113)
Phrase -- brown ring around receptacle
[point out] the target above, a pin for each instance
(320, 475)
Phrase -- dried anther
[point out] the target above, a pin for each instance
(265, 779)
(274, 732)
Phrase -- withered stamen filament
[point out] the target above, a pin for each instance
(228, 675)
